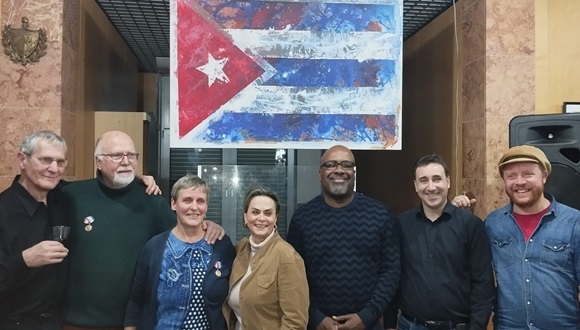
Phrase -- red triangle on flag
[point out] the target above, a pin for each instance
(199, 40)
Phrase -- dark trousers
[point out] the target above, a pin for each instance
(51, 322)
(406, 324)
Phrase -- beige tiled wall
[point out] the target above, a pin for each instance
(62, 91)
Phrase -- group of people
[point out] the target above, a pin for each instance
(84, 282)
(522, 262)
(133, 261)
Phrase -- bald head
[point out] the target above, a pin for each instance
(339, 151)
(116, 158)
(112, 137)
(337, 176)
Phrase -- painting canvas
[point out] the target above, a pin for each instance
(286, 74)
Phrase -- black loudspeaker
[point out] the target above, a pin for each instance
(558, 136)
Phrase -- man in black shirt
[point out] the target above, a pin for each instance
(446, 273)
(32, 272)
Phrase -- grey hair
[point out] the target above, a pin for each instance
(98, 148)
(261, 191)
(30, 142)
(189, 181)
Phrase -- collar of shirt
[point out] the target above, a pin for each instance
(447, 213)
(29, 202)
(179, 248)
(553, 210)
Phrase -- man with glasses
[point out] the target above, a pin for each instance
(111, 218)
(31, 263)
(350, 247)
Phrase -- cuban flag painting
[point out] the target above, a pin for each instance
(298, 74)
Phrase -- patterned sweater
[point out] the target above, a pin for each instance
(102, 261)
(351, 256)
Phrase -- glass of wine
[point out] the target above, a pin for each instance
(60, 233)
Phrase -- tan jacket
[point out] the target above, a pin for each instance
(275, 295)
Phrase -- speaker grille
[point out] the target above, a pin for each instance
(558, 136)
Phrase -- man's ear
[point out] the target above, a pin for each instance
(98, 162)
(21, 160)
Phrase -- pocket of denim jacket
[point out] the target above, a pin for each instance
(556, 246)
(503, 255)
(555, 254)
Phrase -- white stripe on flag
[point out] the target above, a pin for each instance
(318, 45)
(314, 100)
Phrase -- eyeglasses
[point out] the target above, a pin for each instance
(118, 157)
(47, 161)
(333, 164)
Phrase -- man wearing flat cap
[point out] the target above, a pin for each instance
(535, 244)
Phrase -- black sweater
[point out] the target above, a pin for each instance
(351, 256)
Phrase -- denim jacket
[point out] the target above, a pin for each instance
(537, 280)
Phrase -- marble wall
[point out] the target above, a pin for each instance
(88, 67)
(31, 96)
(498, 84)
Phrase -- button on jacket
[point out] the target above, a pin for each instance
(537, 280)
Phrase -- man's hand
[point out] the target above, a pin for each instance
(327, 324)
(151, 187)
(213, 231)
(44, 253)
(349, 322)
(465, 201)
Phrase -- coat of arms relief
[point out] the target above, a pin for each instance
(24, 45)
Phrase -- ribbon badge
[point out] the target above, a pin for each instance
(88, 221)
(218, 266)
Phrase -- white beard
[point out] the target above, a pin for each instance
(123, 180)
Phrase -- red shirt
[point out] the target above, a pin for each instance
(529, 222)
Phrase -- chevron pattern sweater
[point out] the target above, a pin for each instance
(351, 256)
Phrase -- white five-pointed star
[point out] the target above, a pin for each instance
(214, 69)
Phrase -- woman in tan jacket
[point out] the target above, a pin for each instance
(268, 287)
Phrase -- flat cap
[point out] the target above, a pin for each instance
(525, 153)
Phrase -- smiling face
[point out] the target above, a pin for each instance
(190, 206)
(432, 186)
(337, 181)
(261, 217)
(524, 184)
(115, 174)
(40, 178)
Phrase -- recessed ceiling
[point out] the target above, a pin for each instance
(144, 24)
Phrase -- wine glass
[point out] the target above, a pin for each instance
(60, 233)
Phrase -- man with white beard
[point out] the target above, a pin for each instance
(111, 218)
(350, 248)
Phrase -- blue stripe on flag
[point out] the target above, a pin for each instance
(331, 73)
(247, 127)
(314, 16)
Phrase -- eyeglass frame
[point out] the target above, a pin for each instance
(47, 161)
(328, 165)
(121, 156)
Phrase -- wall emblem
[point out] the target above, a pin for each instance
(24, 45)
